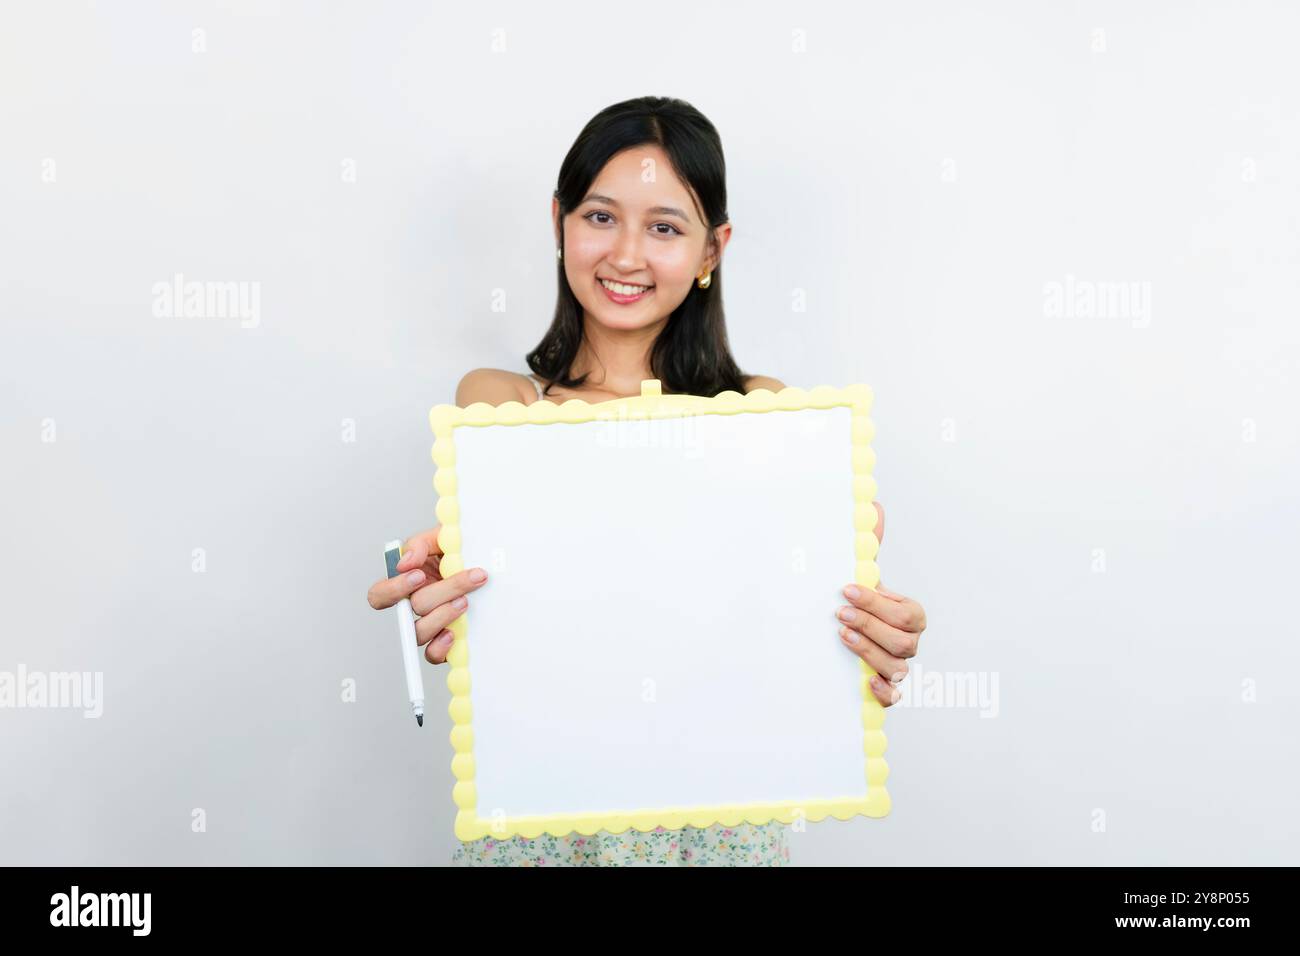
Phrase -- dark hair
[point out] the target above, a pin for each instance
(691, 354)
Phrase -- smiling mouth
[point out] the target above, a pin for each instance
(623, 289)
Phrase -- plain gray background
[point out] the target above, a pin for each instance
(1095, 508)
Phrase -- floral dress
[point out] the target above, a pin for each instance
(746, 844)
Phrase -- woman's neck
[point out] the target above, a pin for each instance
(617, 360)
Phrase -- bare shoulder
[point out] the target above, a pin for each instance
(755, 382)
(495, 386)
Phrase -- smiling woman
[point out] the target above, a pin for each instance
(640, 219)
(641, 223)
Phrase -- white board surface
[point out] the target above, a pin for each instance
(658, 626)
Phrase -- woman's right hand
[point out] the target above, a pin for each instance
(436, 601)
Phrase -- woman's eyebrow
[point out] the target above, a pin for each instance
(656, 210)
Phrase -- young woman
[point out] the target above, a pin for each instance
(640, 216)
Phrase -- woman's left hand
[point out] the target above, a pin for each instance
(883, 628)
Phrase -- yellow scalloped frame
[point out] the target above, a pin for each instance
(652, 404)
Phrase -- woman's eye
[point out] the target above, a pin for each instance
(591, 217)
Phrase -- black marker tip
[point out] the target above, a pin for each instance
(419, 719)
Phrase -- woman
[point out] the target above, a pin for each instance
(640, 217)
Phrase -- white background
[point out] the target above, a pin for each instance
(1074, 500)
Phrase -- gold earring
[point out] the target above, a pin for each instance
(704, 282)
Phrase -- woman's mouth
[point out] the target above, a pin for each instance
(623, 293)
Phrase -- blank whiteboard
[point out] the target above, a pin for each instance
(656, 644)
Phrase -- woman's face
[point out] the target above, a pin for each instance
(638, 226)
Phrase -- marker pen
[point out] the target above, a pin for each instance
(406, 631)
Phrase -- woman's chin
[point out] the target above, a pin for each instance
(622, 319)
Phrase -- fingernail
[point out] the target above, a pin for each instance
(478, 575)
(446, 637)
(415, 577)
(848, 635)
(846, 614)
(459, 603)
(853, 592)
(876, 682)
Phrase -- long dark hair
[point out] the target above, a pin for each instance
(691, 355)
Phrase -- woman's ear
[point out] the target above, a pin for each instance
(555, 218)
(718, 239)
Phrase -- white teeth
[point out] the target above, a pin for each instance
(622, 289)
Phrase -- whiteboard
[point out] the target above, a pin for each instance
(658, 632)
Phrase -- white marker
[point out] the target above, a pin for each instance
(406, 631)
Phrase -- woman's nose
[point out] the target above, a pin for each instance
(627, 250)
